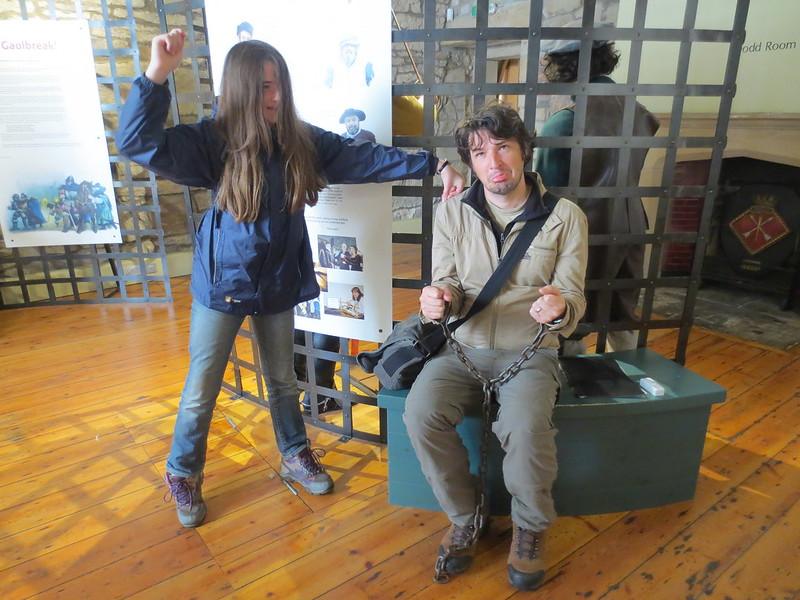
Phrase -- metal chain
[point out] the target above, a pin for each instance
(506, 374)
(490, 386)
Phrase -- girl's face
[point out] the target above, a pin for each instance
(270, 93)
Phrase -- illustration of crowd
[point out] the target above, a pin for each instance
(76, 207)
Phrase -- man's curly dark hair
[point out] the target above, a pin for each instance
(563, 67)
(501, 122)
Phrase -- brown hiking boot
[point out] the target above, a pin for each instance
(456, 551)
(525, 562)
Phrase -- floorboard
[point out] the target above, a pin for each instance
(82, 510)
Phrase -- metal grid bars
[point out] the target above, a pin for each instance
(481, 38)
(136, 270)
(245, 380)
(192, 91)
(354, 392)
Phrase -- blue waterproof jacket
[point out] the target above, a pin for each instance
(266, 266)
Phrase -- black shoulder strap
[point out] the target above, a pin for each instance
(503, 271)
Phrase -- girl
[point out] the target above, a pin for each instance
(252, 252)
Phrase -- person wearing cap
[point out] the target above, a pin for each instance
(599, 167)
(351, 119)
(351, 71)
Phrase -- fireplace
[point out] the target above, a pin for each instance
(754, 241)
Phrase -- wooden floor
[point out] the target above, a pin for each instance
(89, 397)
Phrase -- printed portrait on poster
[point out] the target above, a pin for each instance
(352, 69)
(352, 118)
(346, 301)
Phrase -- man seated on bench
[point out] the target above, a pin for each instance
(471, 232)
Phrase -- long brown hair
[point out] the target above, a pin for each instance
(247, 135)
(563, 66)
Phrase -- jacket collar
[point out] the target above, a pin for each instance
(535, 206)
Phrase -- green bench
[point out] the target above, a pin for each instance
(614, 454)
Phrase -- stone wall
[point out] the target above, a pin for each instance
(453, 65)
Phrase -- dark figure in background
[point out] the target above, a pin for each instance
(323, 369)
(325, 254)
(600, 166)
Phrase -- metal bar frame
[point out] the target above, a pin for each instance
(475, 40)
(93, 270)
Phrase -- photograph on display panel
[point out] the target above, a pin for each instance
(339, 252)
(309, 309)
(345, 300)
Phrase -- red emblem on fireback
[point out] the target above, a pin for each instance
(759, 227)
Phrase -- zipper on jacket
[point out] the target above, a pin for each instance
(496, 301)
(501, 239)
(215, 262)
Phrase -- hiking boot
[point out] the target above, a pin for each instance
(324, 404)
(188, 495)
(525, 563)
(456, 550)
(305, 469)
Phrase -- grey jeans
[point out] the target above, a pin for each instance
(211, 337)
(436, 405)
